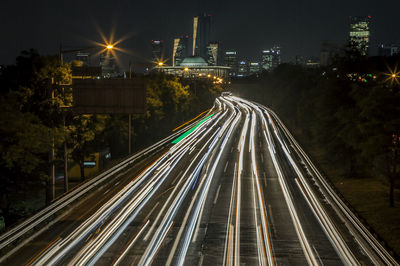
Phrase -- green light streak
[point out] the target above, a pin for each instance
(181, 137)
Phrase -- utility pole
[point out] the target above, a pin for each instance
(52, 171)
(66, 188)
(130, 118)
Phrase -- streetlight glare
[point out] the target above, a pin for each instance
(110, 46)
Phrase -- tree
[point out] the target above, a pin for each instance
(85, 137)
(22, 151)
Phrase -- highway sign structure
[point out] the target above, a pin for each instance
(109, 96)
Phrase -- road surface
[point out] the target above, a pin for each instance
(231, 188)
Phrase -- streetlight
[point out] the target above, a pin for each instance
(393, 76)
(108, 47)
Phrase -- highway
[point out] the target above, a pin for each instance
(231, 187)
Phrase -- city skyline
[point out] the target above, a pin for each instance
(299, 28)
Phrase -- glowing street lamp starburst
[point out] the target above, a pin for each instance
(393, 76)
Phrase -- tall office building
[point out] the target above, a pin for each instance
(157, 50)
(231, 60)
(201, 35)
(109, 67)
(212, 53)
(84, 58)
(181, 50)
(243, 69)
(359, 33)
(277, 50)
(254, 68)
(327, 52)
(271, 58)
(388, 50)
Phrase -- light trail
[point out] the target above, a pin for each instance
(358, 228)
(179, 212)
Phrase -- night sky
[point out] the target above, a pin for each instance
(298, 26)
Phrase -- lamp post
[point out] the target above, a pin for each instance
(52, 153)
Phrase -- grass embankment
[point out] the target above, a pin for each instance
(370, 198)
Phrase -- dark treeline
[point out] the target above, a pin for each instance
(347, 113)
(35, 96)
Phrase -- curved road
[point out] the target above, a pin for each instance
(236, 188)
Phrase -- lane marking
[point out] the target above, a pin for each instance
(216, 196)
(43, 250)
(148, 215)
(319, 258)
(272, 218)
(173, 182)
(131, 243)
(201, 260)
(226, 165)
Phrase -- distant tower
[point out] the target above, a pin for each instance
(157, 50)
(201, 35)
(277, 58)
(109, 67)
(181, 50)
(231, 60)
(271, 58)
(360, 34)
(84, 58)
(243, 69)
(254, 68)
(212, 53)
(388, 50)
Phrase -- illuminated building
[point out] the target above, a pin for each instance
(181, 50)
(271, 58)
(312, 62)
(277, 59)
(109, 67)
(231, 60)
(359, 33)
(212, 54)
(157, 50)
(201, 35)
(243, 69)
(254, 68)
(388, 50)
(195, 67)
(84, 58)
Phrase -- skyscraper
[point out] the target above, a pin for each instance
(271, 58)
(254, 68)
(181, 50)
(359, 33)
(388, 50)
(243, 69)
(84, 58)
(157, 50)
(277, 60)
(201, 35)
(212, 53)
(231, 60)
(109, 67)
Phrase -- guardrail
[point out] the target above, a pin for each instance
(20, 230)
